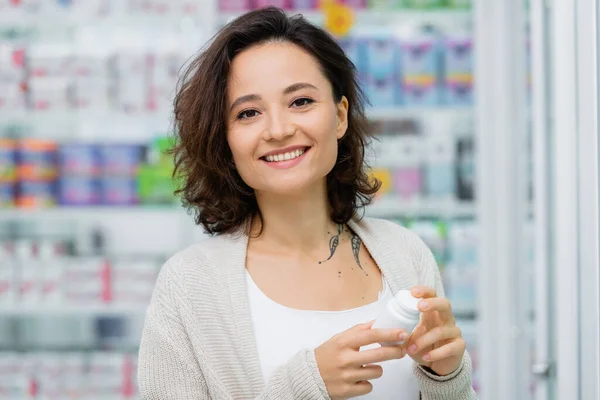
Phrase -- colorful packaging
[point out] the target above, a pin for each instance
(34, 194)
(355, 3)
(420, 56)
(422, 91)
(8, 160)
(381, 56)
(120, 159)
(78, 191)
(119, 191)
(384, 176)
(235, 5)
(466, 169)
(424, 3)
(36, 160)
(408, 180)
(7, 195)
(305, 4)
(458, 54)
(283, 4)
(459, 92)
(79, 160)
(382, 92)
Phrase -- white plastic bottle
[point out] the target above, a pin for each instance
(400, 312)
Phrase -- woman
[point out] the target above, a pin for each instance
(278, 304)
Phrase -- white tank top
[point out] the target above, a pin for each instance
(281, 332)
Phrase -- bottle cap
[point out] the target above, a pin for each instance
(405, 300)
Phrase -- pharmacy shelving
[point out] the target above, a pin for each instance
(436, 17)
(23, 310)
(388, 206)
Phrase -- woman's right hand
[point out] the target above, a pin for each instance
(346, 370)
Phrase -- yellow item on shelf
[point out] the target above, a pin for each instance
(384, 176)
(339, 18)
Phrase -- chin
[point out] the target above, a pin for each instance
(291, 187)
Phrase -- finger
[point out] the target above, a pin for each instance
(362, 388)
(455, 349)
(423, 292)
(366, 337)
(434, 336)
(440, 304)
(367, 373)
(379, 354)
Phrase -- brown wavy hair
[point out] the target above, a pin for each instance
(210, 186)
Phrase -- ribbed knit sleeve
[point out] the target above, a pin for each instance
(298, 379)
(458, 385)
(170, 368)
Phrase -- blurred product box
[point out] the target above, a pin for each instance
(440, 168)
(421, 91)
(381, 54)
(37, 160)
(88, 281)
(8, 160)
(305, 4)
(435, 234)
(408, 176)
(424, 3)
(284, 4)
(358, 4)
(382, 92)
(235, 5)
(121, 160)
(420, 55)
(79, 160)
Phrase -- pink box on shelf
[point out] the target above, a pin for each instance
(235, 5)
(408, 182)
(284, 4)
(305, 4)
(355, 3)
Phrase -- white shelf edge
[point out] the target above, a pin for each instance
(86, 212)
(92, 310)
(391, 206)
(394, 113)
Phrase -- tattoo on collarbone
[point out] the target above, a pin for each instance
(356, 250)
(355, 242)
(334, 241)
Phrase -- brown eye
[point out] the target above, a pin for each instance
(247, 114)
(302, 102)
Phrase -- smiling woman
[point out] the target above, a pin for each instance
(276, 305)
(266, 85)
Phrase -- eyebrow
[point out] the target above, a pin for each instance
(254, 97)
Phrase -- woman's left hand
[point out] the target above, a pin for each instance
(436, 342)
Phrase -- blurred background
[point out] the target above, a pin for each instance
(486, 118)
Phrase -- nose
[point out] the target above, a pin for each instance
(279, 127)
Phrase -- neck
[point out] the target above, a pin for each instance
(297, 221)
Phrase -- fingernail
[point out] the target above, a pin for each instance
(403, 336)
(412, 349)
(427, 357)
(424, 305)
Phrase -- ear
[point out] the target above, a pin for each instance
(342, 118)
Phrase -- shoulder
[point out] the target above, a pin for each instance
(205, 262)
(386, 232)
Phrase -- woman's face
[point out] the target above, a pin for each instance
(283, 123)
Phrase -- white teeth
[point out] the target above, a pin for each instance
(285, 156)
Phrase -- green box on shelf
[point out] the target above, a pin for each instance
(421, 4)
(458, 3)
(386, 4)
(156, 185)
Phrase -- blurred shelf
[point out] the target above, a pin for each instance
(437, 17)
(62, 213)
(395, 113)
(390, 206)
(25, 310)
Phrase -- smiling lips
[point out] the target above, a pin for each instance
(290, 155)
(285, 158)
